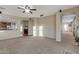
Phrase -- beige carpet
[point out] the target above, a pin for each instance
(38, 45)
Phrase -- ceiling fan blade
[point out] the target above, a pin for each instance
(23, 11)
(30, 12)
(20, 7)
(33, 9)
(26, 6)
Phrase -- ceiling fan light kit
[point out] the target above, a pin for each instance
(27, 10)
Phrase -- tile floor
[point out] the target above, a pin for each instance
(39, 45)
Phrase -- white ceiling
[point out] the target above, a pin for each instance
(41, 9)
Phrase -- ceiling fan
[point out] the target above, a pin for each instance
(27, 9)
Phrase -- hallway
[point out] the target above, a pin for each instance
(68, 38)
(69, 41)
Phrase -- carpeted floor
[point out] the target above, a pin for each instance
(39, 45)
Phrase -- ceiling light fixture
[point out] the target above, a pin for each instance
(27, 10)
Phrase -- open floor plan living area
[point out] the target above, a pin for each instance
(39, 29)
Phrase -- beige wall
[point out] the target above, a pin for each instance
(48, 25)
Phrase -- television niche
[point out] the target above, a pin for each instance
(7, 25)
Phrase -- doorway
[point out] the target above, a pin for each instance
(25, 28)
(68, 25)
